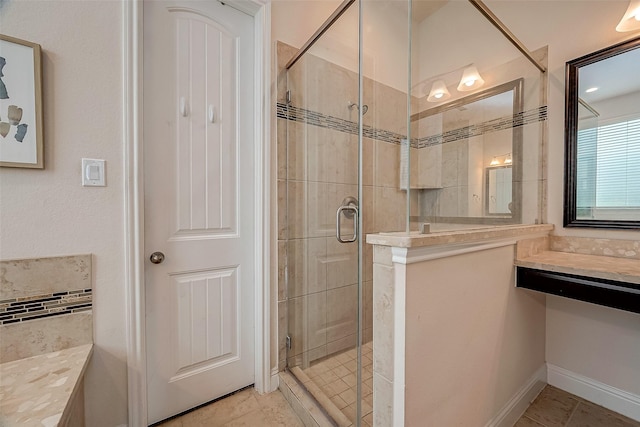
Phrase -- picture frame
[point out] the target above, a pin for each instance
(21, 127)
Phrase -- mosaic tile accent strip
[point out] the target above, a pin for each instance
(318, 119)
(38, 306)
(501, 123)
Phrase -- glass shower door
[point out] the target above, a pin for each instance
(320, 111)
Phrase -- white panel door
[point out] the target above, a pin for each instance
(199, 203)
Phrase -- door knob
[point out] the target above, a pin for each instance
(156, 257)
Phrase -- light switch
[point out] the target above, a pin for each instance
(93, 173)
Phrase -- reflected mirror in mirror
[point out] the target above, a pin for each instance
(498, 190)
(602, 185)
(467, 151)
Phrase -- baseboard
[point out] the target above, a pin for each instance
(620, 401)
(519, 403)
(275, 381)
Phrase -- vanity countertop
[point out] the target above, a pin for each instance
(465, 235)
(35, 391)
(599, 266)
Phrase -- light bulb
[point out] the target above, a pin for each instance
(438, 92)
(631, 19)
(494, 162)
(471, 79)
(508, 160)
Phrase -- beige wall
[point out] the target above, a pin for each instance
(573, 325)
(594, 341)
(47, 212)
(473, 340)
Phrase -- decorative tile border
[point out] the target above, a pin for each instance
(23, 309)
(501, 123)
(318, 119)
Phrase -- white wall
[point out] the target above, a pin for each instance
(572, 29)
(47, 212)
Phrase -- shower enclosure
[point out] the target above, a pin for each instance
(387, 119)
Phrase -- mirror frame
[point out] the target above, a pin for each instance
(517, 87)
(571, 137)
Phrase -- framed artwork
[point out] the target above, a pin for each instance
(21, 139)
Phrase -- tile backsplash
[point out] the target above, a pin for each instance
(41, 276)
(45, 305)
(629, 249)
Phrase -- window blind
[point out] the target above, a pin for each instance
(609, 166)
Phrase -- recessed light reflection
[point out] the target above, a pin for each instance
(591, 89)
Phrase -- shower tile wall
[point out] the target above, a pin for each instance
(317, 169)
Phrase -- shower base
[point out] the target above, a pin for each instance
(332, 382)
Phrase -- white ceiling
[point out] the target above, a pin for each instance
(613, 77)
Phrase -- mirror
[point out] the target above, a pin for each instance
(470, 157)
(602, 138)
(498, 190)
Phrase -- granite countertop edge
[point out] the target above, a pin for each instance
(598, 266)
(402, 240)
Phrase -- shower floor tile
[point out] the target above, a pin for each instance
(335, 375)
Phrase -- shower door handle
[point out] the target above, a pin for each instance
(350, 211)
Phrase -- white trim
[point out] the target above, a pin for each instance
(132, 17)
(250, 7)
(134, 211)
(518, 404)
(262, 35)
(426, 253)
(620, 401)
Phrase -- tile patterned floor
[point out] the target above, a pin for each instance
(557, 408)
(245, 408)
(336, 377)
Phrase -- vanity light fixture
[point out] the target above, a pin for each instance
(496, 160)
(438, 92)
(471, 79)
(631, 19)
